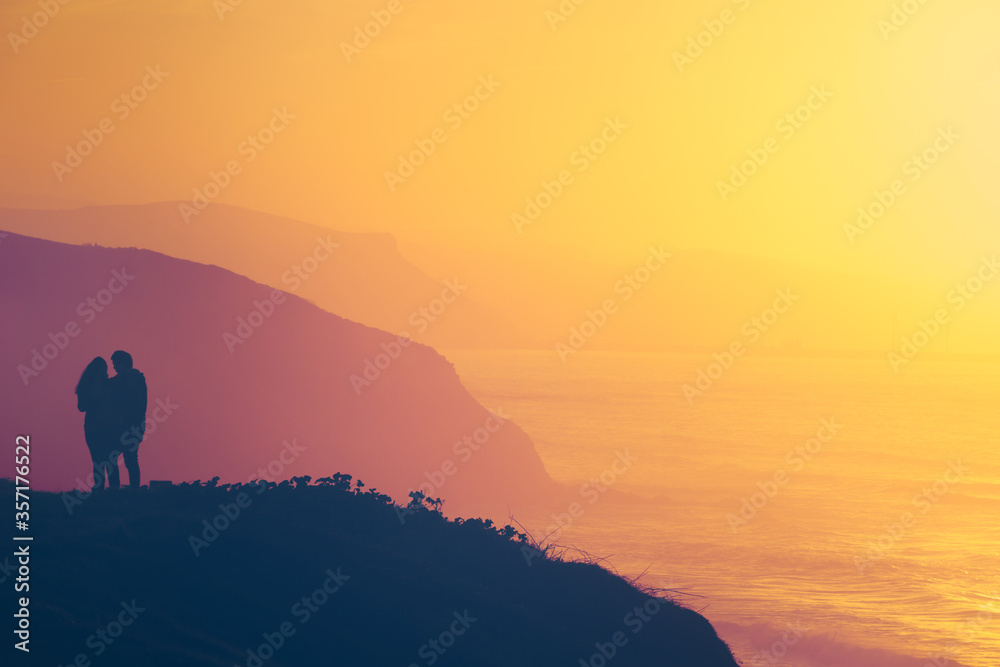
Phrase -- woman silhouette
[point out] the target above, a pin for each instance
(100, 425)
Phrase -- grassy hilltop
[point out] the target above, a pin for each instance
(327, 573)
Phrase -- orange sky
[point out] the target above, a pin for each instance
(678, 126)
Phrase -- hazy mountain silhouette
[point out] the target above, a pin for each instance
(316, 575)
(712, 293)
(365, 279)
(280, 402)
(701, 299)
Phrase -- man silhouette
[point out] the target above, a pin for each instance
(129, 389)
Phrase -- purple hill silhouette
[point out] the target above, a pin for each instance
(244, 381)
(364, 278)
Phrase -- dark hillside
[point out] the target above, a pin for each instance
(330, 574)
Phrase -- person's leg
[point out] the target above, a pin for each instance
(114, 481)
(98, 476)
(131, 457)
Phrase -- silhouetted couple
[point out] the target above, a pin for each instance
(115, 417)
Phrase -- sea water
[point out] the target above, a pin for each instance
(818, 511)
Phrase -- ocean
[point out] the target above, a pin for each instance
(818, 512)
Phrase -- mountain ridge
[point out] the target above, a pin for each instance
(293, 378)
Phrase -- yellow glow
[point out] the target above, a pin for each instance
(560, 82)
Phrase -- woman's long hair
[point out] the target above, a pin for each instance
(95, 371)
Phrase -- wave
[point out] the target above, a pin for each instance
(798, 645)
